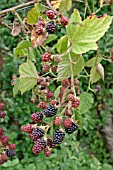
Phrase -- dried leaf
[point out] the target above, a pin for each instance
(55, 4)
(16, 28)
(100, 69)
(37, 40)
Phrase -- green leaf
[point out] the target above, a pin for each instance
(94, 75)
(50, 38)
(88, 33)
(80, 47)
(15, 88)
(93, 61)
(64, 65)
(73, 24)
(40, 7)
(62, 44)
(86, 101)
(57, 91)
(106, 166)
(65, 5)
(78, 117)
(32, 16)
(24, 49)
(28, 76)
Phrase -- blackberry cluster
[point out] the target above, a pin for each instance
(58, 136)
(51, 27)
(6, 150)
(50, 111)
(72, 128)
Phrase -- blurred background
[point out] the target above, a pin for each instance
(89, 148)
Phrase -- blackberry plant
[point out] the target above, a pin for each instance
(62, 64)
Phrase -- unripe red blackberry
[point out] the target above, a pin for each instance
(72, 128)
(51, 27)
(39, 31)
(10, 152)
(111, 58)
(50, 143)
(66, 82)
(4, 140)
(46, 68)
(12, 146)
(37, 133)
(47, 152)
(39, 145)
(57, 121)
(4, 157)
(58, 136)
(50, 14)
(50, 111)
(76, 103)
(67, 122)
(76, 82)
(1, 132)
(64, 21)
(71, 97)
(42, 105)
(1, 106)
(40, 24)
(53, 102)
(37, 117)
(28, 128)
(49, 94)
(46, 57)
(111, 51)
(2, 114)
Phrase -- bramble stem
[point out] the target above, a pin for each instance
(87, 5)
(17, 7)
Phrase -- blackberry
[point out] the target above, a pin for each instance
(4, 140)
(40, 73)
(10, 152)
(50, 111)
(2, 114)
(76, 103)
(4, 157)
(50, 14)
(37, 117)
(1, 106)
(71, 97)
(58, 136)
(42, 105)
(67, 122)
(57, 121)
(12, 146)
(46, 68)
(47, 152)
(46, 57)
(39, 31)
(64, 21)
(50, 143)
(28, 128)
(37, 133)
(51, 27)
(39, 145)
(72, 128)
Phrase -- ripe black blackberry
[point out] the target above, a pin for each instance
(37, 133)
(58, 136)
(50, 111)
(72, 128)
(51, 27)
(50, 143)
(10, 152)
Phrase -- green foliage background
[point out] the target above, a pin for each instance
(86, 149)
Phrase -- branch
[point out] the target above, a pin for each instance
(17, 7)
